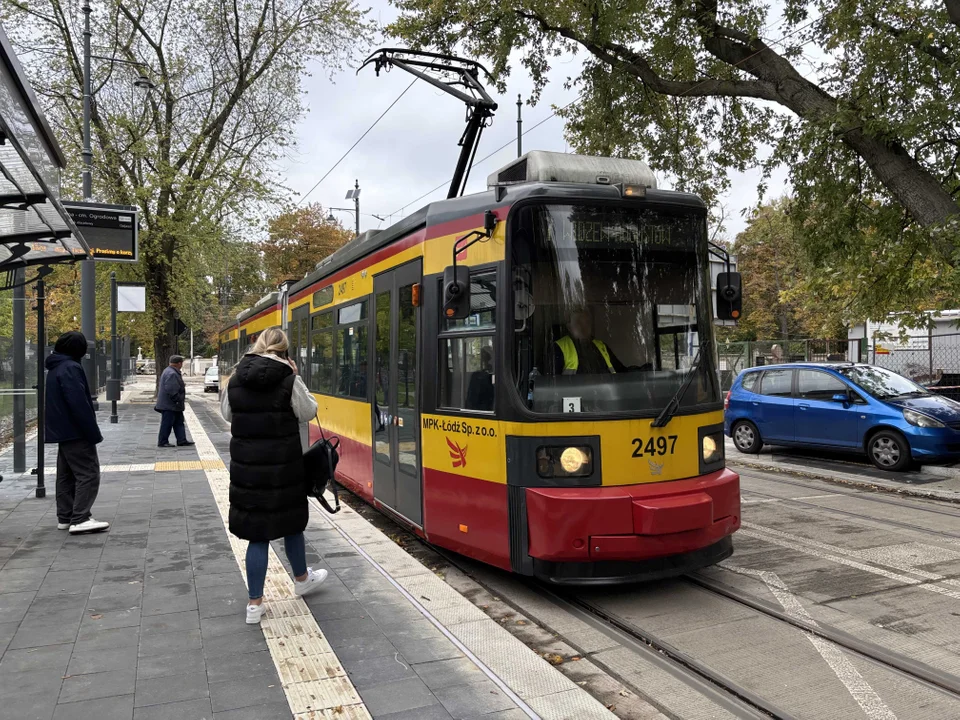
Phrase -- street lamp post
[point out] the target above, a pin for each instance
(352, 194)
(355, 194)
(88, 273)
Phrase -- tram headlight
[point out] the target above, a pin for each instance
(712, 448)
(573, 461)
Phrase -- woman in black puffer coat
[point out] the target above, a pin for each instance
(269, 408)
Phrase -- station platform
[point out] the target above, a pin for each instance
(146, 621)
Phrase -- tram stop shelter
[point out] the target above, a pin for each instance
(36, 233)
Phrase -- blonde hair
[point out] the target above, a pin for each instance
(272, 340)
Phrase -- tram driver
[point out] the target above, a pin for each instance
(580, 353)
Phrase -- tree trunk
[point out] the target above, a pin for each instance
(163, 313)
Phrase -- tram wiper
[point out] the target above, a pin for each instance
(670, 409)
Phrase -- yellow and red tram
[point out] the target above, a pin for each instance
(567, 424)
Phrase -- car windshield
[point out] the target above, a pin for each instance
(880, 383)
(212, 372)
(611, 305)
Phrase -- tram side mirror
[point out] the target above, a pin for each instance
(456, 292)
(729, 296)
(489, 222)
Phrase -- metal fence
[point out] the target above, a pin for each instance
(736, 356)
(928, 359)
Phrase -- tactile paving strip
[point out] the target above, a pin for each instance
(313, 680)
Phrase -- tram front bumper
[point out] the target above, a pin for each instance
(632, 522)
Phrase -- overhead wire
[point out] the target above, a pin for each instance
(366, 132)
(561, 109)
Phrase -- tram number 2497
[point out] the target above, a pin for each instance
(663, 445)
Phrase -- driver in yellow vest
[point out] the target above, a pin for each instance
(579, 352)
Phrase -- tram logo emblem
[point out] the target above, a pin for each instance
(655, 467)
(457, 454)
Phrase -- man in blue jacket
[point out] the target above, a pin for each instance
(71, 422)
(171, 402)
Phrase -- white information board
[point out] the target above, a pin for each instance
(131, 298)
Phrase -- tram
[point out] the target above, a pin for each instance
(527, 375)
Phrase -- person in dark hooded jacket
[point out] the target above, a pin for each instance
(70, 421)
(269, 409)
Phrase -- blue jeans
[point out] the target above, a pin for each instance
(172, 420)
(258, 553)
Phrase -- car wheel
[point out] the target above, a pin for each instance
(746, 437)
(889, 450)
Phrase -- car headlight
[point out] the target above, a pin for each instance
(921, 420)
(711, 448)
(573, 461)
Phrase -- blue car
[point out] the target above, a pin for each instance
(842, 406)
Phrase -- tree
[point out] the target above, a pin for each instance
(196, 152)
(777, 302)
(867, 125)
(298, 240)
(770, 259)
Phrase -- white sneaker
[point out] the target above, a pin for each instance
(254, 613)
(63, 526)
(89, 526)
(314, 579)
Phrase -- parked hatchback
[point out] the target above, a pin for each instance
(848, 406)
(211, 379)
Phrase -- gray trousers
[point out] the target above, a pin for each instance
(78, 480)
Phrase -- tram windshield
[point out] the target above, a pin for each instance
(611, 304)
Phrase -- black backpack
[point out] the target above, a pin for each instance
(319, 468)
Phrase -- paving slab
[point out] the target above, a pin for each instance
(108, 626)
(146, 621)
(939, 482)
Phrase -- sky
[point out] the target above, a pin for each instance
(414, 147)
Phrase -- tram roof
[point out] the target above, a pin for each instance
(264, 303)
(443, 211)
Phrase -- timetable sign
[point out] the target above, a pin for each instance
(109, 230)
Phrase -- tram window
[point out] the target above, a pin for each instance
(483, 305)
(353, 313)
(323, 296)
(467, 373)
(352, 361)
(321, 366)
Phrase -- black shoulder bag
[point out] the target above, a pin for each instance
(319, 468)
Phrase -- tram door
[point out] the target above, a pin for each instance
(297, 335)
(396, 420)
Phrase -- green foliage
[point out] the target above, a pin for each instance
(856, 99)
(197, 154)
(298, 240)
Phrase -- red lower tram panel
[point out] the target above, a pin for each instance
(632, 532)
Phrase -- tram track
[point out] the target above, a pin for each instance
(723, 691)
(916, 671)
(701, 677)
(711, 682)
(915, 503)
(880, 521)
(921, 672)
